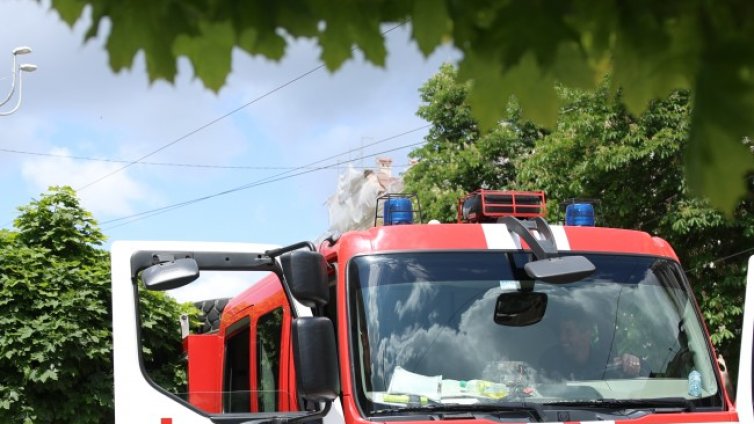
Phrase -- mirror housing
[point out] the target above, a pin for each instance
(520, 308)
(171, 274)
(560, 269)
(305, 273)
(315, 356)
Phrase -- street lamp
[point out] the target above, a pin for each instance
(26, 67)
(17, 51)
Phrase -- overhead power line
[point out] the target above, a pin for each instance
(158, 211)
(216, 120)
(712, 263)
(164, 164)
(278, 176)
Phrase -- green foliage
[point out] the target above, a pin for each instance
(634, 164)
(58, 223)
(55, 353)
(598, 149)
(520, 48)
(160, 337)
(56, 344)
(457, 158)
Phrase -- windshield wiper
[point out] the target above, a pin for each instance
(660, 405)
(533, 409)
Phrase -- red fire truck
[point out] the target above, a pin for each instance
(500, 317)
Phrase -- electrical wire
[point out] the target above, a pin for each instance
(256, 183)
(167, 164)
(158, 211)
(722, 259)
(190, 133)
(216, 120)
(308, 167)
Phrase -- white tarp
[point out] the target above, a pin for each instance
(352, 207)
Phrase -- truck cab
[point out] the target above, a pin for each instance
(500, 317)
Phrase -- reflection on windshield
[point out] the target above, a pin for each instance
(424, 331)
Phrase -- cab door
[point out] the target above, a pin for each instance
(138, 398)
(744, 401)
(265, 384)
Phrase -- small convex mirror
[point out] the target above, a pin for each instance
(171, 274)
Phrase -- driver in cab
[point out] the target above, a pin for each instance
(576, 356)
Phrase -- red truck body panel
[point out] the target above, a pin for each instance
(205, 370)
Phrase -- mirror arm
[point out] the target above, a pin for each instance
(158, 258)
(295, 246)
(544, 228)
(542, 249)
(208, 261)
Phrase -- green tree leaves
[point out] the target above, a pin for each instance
(457, 158)
(717, 159)
(56, 343)
(58, 223)
(634, 164)
(430, 24)
(596, 149)
(54, 350)
(519, 48)
(209, 52)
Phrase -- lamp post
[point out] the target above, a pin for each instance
(26, 67)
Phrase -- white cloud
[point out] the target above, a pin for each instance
(74, 101)
(421, 292)
(113, 196)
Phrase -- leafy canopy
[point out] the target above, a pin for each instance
(508, 47)
(597, 149)
(633, 164)
(56, 338)
(457, 157)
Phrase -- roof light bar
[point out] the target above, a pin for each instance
(397, 209)
(580, 212)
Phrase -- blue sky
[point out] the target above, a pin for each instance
(74, 105)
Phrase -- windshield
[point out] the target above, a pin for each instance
(424, 332)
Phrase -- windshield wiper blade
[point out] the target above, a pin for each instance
(666, 404)
(533, 409)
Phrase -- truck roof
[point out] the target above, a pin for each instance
(492, 236)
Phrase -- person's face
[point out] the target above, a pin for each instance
(576, 340)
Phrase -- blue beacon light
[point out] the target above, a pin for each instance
(398, 210)
(580, 214)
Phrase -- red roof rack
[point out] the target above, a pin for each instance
(489, 205)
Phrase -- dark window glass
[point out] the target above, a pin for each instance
(236, 378)
(269, 329)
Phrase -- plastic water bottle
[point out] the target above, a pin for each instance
(695, 383)
(484, 388)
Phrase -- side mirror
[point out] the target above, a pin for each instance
(306, 275)
(170, 275)
(560, 270)
(519, 309)
(315, 356)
